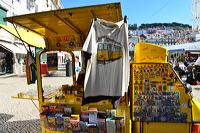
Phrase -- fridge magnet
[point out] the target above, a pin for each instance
(136, 88)
(159, 87)
(158, 73)
(140, 88)
(146, 82)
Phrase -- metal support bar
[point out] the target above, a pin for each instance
(125, 19)
(20, 38)
(39, 80)
(93, 14)
(65, 21)
(31, 30)
(73, 27)
(43, 25)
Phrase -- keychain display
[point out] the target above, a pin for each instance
(155, 98)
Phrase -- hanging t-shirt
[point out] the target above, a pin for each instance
(107, 71)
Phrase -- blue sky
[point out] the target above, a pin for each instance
(146, 11)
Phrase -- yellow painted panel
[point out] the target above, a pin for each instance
(73, 21)
(136, 127)
(146, 52)
(195, 110)
(29, 37)
(159, 127)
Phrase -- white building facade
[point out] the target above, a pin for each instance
(12, 51)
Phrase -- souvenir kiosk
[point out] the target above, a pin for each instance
(60, 102)
(160, 101)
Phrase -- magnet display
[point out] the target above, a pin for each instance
(155, 96)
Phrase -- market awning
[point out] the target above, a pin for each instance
(176, 50)
(197, 62)
(27, 36)
(13, 48)
(67, 28)
(193, 46)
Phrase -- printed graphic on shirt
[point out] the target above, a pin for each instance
(108, 50)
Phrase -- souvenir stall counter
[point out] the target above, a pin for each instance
(62, 111)
(65, 31)
(160, 102)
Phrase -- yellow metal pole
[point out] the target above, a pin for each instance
(39, 80)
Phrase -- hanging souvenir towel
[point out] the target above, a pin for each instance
(107, 71)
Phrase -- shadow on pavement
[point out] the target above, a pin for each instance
(27, 126)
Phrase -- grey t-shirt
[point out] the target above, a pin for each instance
(107, 71)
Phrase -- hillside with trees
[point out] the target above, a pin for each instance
(172, 25)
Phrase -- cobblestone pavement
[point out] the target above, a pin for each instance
(17, 115)
(25, 126)
(22, 116)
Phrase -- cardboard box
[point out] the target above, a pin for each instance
(93, 115)
(52, 122)
(92, 128)
(68, 111)
(101, 125)
(110, 126)
(67, 124)
(45, 108)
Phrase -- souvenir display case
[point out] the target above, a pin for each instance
(159, 99)
(159, 94)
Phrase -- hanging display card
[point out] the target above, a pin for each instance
(52, 61)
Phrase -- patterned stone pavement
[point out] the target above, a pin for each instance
(17, 115)
(25, 126)
(22, 115)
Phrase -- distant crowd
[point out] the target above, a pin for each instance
(192, 73)
(189, 70)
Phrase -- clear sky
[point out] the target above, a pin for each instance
(146, 11)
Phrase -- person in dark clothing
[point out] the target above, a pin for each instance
(197, 72)
(180, 71)
(189, 75)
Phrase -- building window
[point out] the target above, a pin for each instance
(3, 14)
(36, 8)
(28, 4)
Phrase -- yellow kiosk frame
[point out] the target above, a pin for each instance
(64, 30)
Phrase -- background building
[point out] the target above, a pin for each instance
(12, 51)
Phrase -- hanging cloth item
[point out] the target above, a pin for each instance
(30, 68)
(107, 71)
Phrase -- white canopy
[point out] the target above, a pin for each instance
(14, 48)
(194, 46)
(197, 62)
